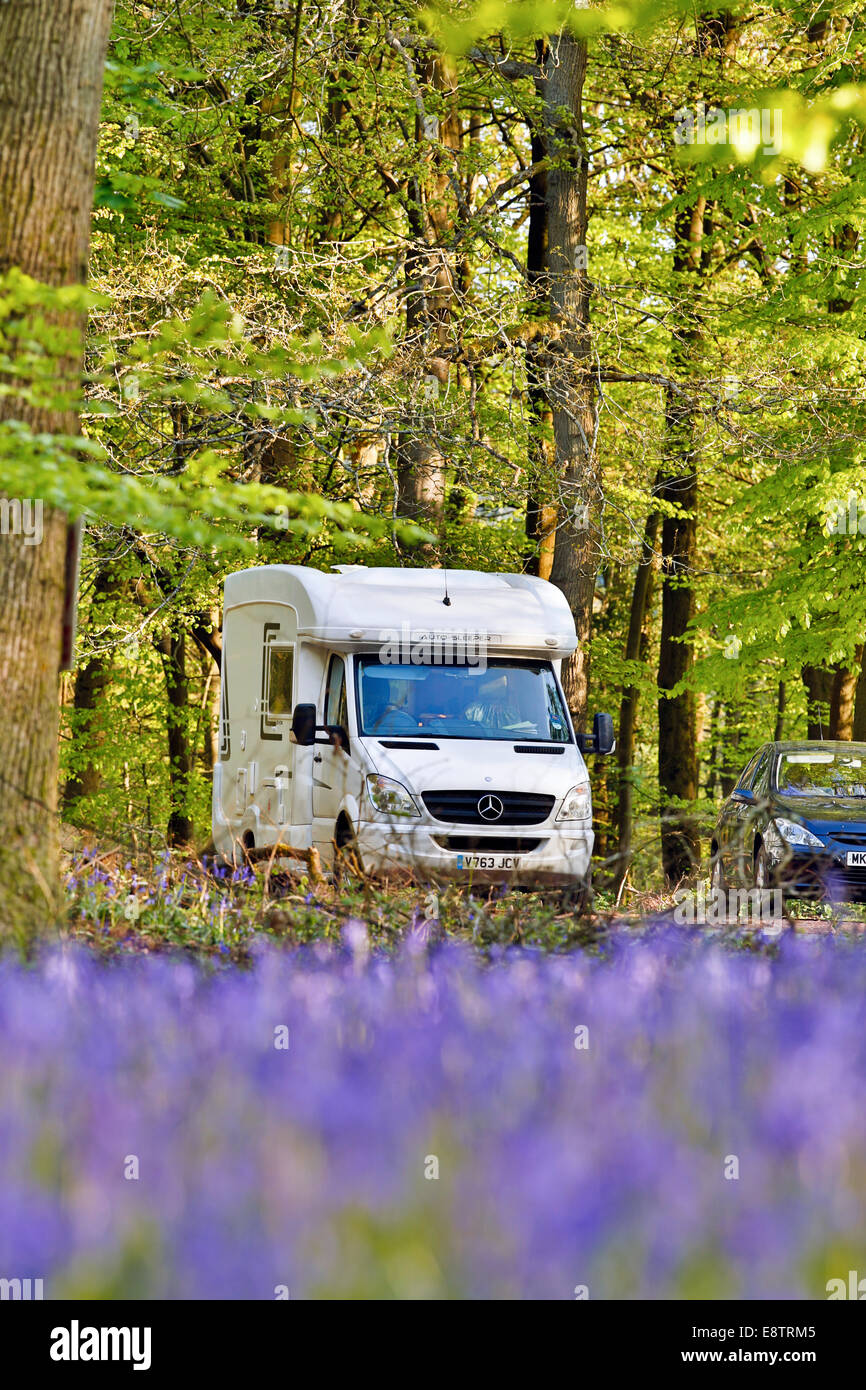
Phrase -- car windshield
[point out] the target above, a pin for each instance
(822, 773)
(503, 700)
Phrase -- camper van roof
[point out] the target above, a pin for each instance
(355, 606)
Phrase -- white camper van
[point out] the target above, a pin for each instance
(413, 715)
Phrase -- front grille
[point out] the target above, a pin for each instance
(819, 879)
(461, 808)
(489, 844)
(853, 839)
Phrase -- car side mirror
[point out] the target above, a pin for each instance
(745, 795)
(304, 725)
(603, 737)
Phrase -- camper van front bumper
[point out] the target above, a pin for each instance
(547, 857)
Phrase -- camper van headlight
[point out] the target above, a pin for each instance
(576, 804)
(390, 797)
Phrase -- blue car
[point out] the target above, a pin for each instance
(796, 820)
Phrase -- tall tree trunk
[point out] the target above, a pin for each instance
(635, 648)
(678, 486)
(843, 694)
(431, 291)
(53, 53)
(541, 495)
(731, 760)
(206, 631)
(713, 753)
(716, 40)
(575, 556)
(91, 680)
(819, 696)
(781, 702)
(210, 743)
(172, 649)
(328, 222)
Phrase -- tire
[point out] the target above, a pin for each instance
(765, 881)
(347, 859)
(763, 874)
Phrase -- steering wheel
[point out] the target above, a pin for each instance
(394, 709)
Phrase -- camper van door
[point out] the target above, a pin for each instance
(332, 767)
(258, 689)
(273, 796)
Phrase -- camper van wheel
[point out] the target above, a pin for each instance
(248, 841)
(347, 860)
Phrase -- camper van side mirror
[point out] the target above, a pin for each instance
(304, 725)
(602, 734)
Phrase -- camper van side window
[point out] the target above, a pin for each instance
(336, 711)
(280, 675)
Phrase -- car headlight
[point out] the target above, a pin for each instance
(576, 804)
(390, 797)
(797, 834)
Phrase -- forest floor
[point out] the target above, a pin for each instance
(125, 902)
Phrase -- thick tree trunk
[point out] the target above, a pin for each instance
(635, 649)
(858, 732)
(575, 556)
(52, 53)
(833, 696)
(843, 699)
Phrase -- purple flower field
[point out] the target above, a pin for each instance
(344, 1124)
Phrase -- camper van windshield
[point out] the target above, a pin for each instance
(503, 700)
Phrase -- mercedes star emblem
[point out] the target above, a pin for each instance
(490, 807)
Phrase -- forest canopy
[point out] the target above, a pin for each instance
(575, 290)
